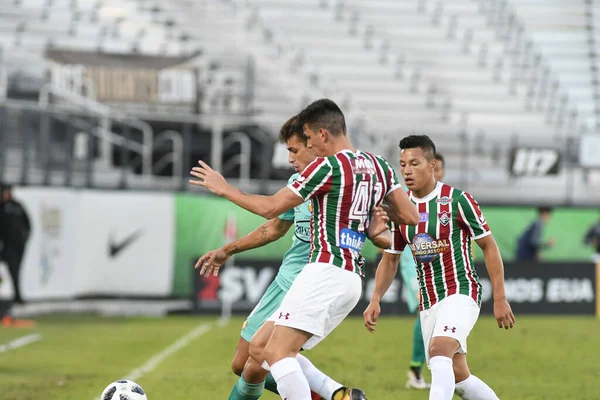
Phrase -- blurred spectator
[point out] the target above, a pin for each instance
(440, 168)
(530, 244)
(14, 233)
(592, 238)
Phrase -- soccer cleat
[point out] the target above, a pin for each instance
(345, 393)
(416, 383)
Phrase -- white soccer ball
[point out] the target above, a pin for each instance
(124, 390)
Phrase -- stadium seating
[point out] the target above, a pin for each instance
(475, 75)
(564, 35)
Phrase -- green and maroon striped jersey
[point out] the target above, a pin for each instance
(441, 243)
(343, 188)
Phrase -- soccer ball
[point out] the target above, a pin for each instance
(123, 390)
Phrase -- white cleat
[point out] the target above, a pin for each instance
(416, 383)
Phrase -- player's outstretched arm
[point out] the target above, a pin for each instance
(266, 206)
(493, 263)
(384, 276)
(268, 232)
(401, 211)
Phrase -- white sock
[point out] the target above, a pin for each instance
(318, 381)
(474, 388)
(442, 378)
(291, 382)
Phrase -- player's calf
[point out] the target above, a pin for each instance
(460, 367)
(254, 372)
(241, 355)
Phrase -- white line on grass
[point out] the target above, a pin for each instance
(158, 358)
(168, 351)
(20, 342)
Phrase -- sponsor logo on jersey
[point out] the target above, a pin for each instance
(310, 207)
(425, 248)
(445, 200)
(302, 230)
(352, 240)
(362, 166)
(444, 218)
(424, 217)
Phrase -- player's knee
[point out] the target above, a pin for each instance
(237, 367)
(443, 346)
(256, 351)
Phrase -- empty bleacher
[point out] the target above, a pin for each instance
(476, 75)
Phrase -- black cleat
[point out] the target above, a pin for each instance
(345, 393)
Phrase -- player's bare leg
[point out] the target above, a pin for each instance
(468, 386)
(260, 340)
(320, 384)
(253, 380)
(280, 355)
(441, 352)
(242, 352)
(257, 374)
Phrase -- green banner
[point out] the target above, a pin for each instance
(202, 225)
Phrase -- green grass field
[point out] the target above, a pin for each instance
(542, 358)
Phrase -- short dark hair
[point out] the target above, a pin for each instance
(291, 128)
(324, 114)
(441, 158)
(544, 210)
(422, 141)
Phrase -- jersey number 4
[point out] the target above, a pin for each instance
(362, 201)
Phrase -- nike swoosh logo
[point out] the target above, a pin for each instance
(115, 247)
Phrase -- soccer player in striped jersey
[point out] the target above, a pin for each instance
(344, 185)
(408, 270)
(449, 287)
(256, 330)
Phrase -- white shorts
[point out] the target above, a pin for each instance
(320, 297)
(455, 316)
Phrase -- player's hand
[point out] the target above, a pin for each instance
(211, 262)
(370, 316)
(378, 222)
(208, 178)
(503, 313)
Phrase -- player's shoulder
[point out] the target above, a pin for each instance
(293, 177)
(378, 158)
(321, 162)
(456, 194)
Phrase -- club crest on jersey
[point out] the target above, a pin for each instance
(444, 218)
(352, 240)
(362, 166)
(425, 248)
(445, 200)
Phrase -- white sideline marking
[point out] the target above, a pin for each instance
(158, 358)
(165, 353)
(20, 342)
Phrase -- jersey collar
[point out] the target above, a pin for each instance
(434, 193)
